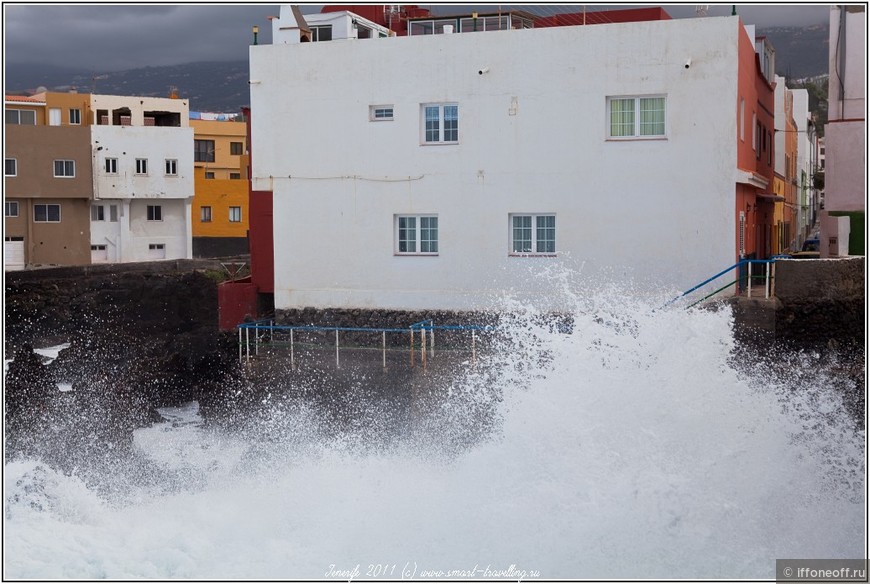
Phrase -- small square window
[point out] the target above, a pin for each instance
(205, 214)
(416, 234)
(440, 123)
(64, 168)
(235, 176)
(235, 214)
(533, 234)
(75, 116)
(171, 167)
(636, 117)
(141, 166)
(111, 166)
(11, 208)
(46, 213)
(11, 167)
(209, 175)
(237, 148)
(98, 213)
(155, 213)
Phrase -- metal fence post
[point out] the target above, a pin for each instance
(240, 344)
(412, 348)
(292, 356)
(432, 338)
(749, 284)
(384, 346)
(767, 281)
(473, 348)
(247, 344)
(423, 347)
(336, 349)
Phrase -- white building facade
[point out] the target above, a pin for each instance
(441, 171)
(143, 179)
(846, 133)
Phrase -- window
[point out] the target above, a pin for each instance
(75, 116)
(636, 117)
(21, 117)
(534, 234)
(483, 23)
(321, 33)
(141, 166)
(209, 175)
(205, 214)
(742, 120)
(440, 123)
(113, 213)
(98, 213)
(98, 247)
(754, 131)
(155, 213)
(235, 214)
(380, 113)
(203, 150)
(11, 167)
(46, 213)
(111, 166)
(11, 208)
(64, 168)
(417, 234)
(156, 251)
(54, 116)
(171, 167)
(236, 148)
(235, 176)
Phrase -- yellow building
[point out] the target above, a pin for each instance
(220, 203)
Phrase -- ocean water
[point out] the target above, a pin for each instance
(638, 444)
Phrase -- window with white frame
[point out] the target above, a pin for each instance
(171, 167)
(416, 234)
(141, 166)
(235, 214)
(533, 234)
(75, 116)
(46, 213)
(11, 167)
(11, 208)
(54, 116)
(637, 117)
(742, 120)
(381, 113)
(111, 166)
(64, 168)
(21, 117)
(440, 123)
(98, 213)
(155, 213)
(205, 214)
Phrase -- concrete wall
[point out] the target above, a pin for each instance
(532, 139)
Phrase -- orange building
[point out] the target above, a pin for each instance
(220, 204)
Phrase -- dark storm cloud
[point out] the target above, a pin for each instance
(111, 37)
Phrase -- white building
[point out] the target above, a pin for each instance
(806, 162)
(437, 171)
(846, 133)
(339, 25)
(143, 179)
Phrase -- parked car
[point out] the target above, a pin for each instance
(810, 249)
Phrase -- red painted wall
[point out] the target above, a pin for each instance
(236, 301)
(260, 226)
(758, 98)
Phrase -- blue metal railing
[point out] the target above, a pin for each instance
(768, 276)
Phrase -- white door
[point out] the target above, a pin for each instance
(13, 253)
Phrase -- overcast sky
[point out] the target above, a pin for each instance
(107, 37)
